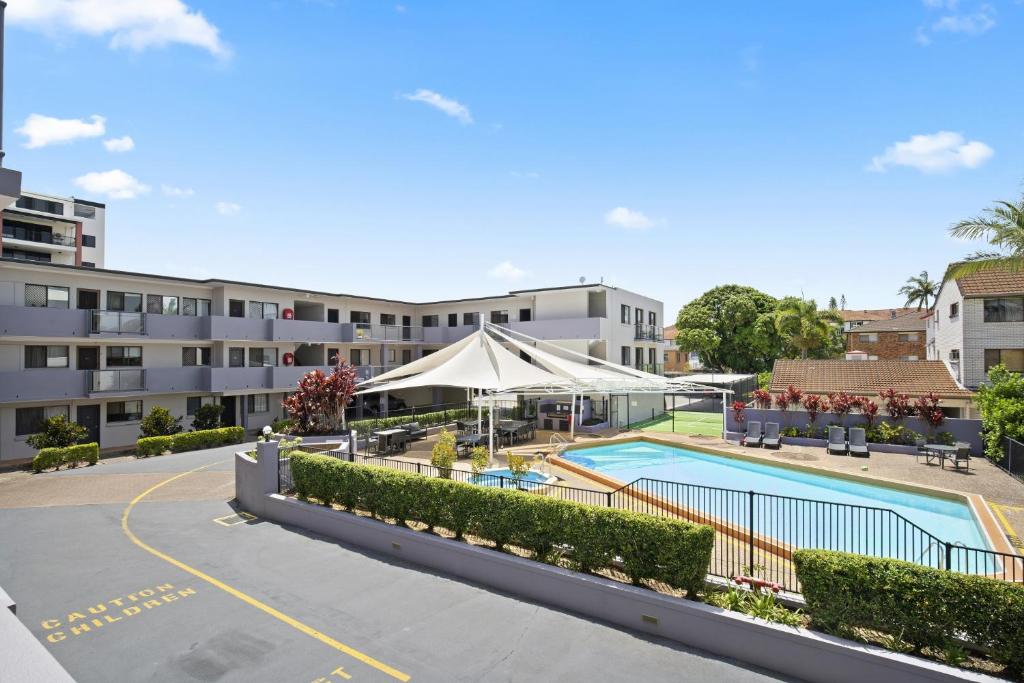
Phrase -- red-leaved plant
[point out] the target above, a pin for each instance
(793, 395)
(927, 408)
(812, 404)
(896, 404)
(737, 411)
(318, 405)
(869, 409)
(841, 403)
(762, 398)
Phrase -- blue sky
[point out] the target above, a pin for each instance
(440, 149)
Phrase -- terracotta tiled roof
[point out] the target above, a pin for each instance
(910, 322)
(987, 283)
(873, 313)
(866, 377)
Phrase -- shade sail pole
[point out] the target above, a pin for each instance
(724, 421)
(479, 409)
(572, 419)
(490, 430)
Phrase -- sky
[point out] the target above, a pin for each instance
(437, 149)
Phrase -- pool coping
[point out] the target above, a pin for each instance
(983, 515)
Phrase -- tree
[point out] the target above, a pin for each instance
(730, 327)
(1003, 226)
(58, 432)
(318, 405)
(444, 454)
(919, 290)
(160, 422)
(1001, 402)
(832, 305)
(207, 417)
(804, 329)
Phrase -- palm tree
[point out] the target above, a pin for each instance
(919, 290)
(802, 326)
(1003, 226)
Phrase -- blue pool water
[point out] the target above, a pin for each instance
(838, 527)
(494, 478)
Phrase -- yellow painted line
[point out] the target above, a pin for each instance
(996, 508)
(249, 600)
(237, 518)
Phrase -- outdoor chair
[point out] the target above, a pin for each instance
(771, 437)
(859, 442)
(961, 455)
(414, 431)
(753, 437)
(836, 441)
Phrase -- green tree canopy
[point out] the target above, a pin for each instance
(730, 327)
(807, 332)
(1002, 409)
(1003, 226)
(919, 290)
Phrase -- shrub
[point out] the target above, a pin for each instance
(662, 549)
(518, 466)
(318, 404)
(479, 459)
(189, 441)
(922, 606)
(283, 426)
(67, 455)
(160, 422)
(430, 419)
(1002, 409)
(207, 417)
(443, 455)
(58, 432)
(737, 411)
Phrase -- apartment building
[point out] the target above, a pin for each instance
(899, 338)
(978, 322)
(105, 346)
(853, 318)
(62, 230)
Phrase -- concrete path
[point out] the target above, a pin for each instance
(184, 589)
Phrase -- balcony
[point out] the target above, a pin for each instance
(364, 332)
(117, 322)
(653, 368)
(38, 321)
(305, 331)
(115, 381)
(38, 240)
(50, 384)
(648, 333)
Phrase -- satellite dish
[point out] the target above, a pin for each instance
(582, 279)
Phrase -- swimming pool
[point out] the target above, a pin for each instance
(503, 478)
(845, 520)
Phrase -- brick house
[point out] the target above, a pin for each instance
(674, 359)
(899, 338)
(856, 317)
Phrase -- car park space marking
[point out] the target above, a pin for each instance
(1011, 534)
(249, 600)
(339, 672)
(237, 518)
(90, 619)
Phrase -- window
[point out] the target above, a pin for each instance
(387, 318)
(867, 337)
(625, 314)
(392, 356)
(907, 337)
(430, 321)
(525, 315)
(652, 318)
(30, 420)
(639, 357)
(34, 204)
(195, 355)
(427, 352)
(89, 241)
(453, 320)
(499, 317)
(45, 296)
(258, 403)
(236, 357)
(124, 356)
(1007, 310)
(236, 308)
(88, 264)
(1013, 359)
(192, 403)
(84, 211)
(332, 356)
(262, 357)
(124, 411)
(406, 356)
(22, 255)
(361, 317)
(626, 355)
(471, 319)
(360, 356)
(954, 310)
(162, 305)
(261, 309)
(332, 315)
(639, 316)
(954, 355)
(46, 357)
(126, 302)
(195, 307)
(652, 356)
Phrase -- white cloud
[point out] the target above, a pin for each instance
(228, 208)
(172, 191)
(125, 144)
(400, 9)
(47, 130)
(115, 184)
(506, 271)
(442, 103)
(627, 218)
(942, 151)
(972, 24)
(132, 24)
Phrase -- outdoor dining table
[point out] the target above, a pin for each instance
(386, 443)
(937, 450)
(509, 428)
(468, 441)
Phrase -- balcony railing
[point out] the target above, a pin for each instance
(649, 333)
(392, 333)
(116, 380)
(653, 368)
(117, 322)
(40, 236)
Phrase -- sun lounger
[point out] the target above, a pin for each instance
(859, 442)
(836, 441)
(771, 437)
(753, 437)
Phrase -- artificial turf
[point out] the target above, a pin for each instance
(709, 424)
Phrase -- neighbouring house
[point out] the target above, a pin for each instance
(46, 229)
(978, 322)
(677, 362)
(899, 338)
(855, 318)
(914, 378)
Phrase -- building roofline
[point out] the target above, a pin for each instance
(552, 289)
(40, 215)
(89, 202)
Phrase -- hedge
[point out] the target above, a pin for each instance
(431, 419)
(68, 455)
(924, 607)
(668, 550)
(189, 441)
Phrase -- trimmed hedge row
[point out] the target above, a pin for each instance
(667, 550)
(431, 419)
(189, 441)
(925, 607)
(88, 453)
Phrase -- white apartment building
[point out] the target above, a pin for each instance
(105, 346)
(61, 230)
(978, 322)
